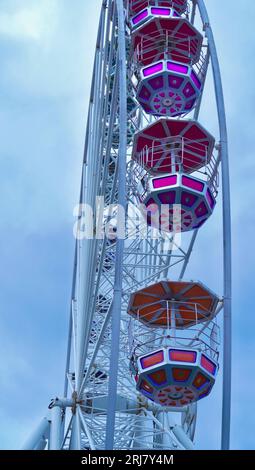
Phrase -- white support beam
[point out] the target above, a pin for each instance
(226, 406)
(39, 434)
(56, 428)
(117, 299)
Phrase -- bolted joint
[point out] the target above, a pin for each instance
(66, 403)
(206, 26)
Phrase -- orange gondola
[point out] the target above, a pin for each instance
(192, 303)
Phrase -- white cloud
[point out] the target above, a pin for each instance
(29, 23)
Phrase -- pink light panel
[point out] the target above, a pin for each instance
(161, 11)
(152, 360)
(179, 68)
(196, 80)
(140, 17)
(153, 69)
(210, 199)
(183, 356)
(179, 6)
(162, 182)
(193, 184)
(208, 365)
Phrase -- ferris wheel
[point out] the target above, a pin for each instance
(143, 346)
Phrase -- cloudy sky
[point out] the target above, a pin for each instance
(46, 53)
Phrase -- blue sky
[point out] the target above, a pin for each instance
(46, 53)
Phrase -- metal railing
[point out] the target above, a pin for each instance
(181, 155)
(203, 334)
(135, 5)
(167, 45)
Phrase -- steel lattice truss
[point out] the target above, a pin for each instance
(100, 296)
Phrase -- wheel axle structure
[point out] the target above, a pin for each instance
(143, 345)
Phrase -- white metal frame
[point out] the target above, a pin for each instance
(101, 408)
